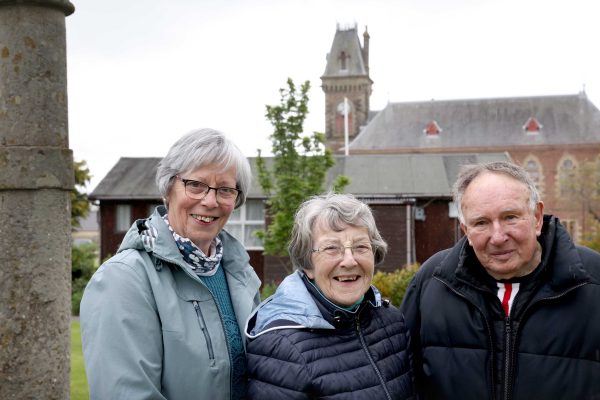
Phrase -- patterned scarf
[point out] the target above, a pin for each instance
(193, 256)
(196, 259)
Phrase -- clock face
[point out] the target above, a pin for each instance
(341, 109)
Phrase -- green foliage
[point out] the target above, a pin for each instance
(592, 236)
(80, 205)
(79, 385)
(392, 285)
(84, 262)
(298, 170)
(267, 290)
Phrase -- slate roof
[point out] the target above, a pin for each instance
(405, 175)
(131, 179)
(387, 176)
(497, 122)
(345, 40)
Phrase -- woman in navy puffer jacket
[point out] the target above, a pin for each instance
(326, 333)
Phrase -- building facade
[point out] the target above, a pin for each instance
(552, 137)
(401, 160)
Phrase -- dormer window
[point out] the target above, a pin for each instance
(343, 64)
(432, 128)
(532, 126)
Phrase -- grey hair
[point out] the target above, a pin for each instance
(336, 211)
(468, 173)
(200, 148)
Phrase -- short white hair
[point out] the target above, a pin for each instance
(200, 148)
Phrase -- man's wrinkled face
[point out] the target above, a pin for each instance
(500, 225)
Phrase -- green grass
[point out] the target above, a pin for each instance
(79, 386)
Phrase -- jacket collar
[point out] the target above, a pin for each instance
(294, 305)
(334, 314)
(291, 306)
(235, 258)
(561, 266)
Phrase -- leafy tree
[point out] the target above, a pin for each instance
(80, 205)
(84, 262)
(298, 168)
(84, 257)
(582, 187)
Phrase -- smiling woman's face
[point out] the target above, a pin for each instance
(201, 220)
(346, 278)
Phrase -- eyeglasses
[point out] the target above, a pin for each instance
(199, 190)
(336, 251)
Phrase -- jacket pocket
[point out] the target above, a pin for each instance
(202, 323)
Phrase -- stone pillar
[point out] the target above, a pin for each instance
(36, 175)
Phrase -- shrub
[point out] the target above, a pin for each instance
(392, 285)
(267, 290)
(84, 262)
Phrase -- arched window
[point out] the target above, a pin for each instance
(532, 165)
(567, 170)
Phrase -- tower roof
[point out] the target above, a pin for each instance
(345, 57)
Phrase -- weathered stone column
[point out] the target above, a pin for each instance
(36, 175)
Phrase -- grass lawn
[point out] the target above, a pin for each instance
(79, 386)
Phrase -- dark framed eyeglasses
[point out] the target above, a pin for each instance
(199, 190)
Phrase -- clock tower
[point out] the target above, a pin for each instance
(347, 86)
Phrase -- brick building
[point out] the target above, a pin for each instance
(401, 160)
(551, 136)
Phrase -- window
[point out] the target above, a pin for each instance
(123, 217)
(343, 61)
(533, 167)
(566, 176)
(532, 126)
(432, 129)
(245, 221)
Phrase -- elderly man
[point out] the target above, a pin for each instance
(512, 311)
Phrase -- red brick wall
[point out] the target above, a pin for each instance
(110, 239)
(437, 232)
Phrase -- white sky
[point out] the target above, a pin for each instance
(141, 73)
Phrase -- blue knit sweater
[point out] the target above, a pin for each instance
(217, 284)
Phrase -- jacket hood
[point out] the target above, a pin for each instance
(292, 306)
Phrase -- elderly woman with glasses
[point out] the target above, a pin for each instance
(163, 318)
(326, 333)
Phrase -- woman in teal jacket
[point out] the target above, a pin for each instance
(162, 319)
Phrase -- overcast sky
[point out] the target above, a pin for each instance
(141, 73)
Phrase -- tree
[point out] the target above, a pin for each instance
(84, 258)
(582, 186)
(80, 205)
(298, 169)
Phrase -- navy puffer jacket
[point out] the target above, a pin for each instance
(304, 347)
(548, 348)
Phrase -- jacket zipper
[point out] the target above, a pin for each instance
(366, 349)
(211, 353)
(508, 366)
(508, 332)
(202, 323)
(507, 357)
(207, 335)
(487, 325)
